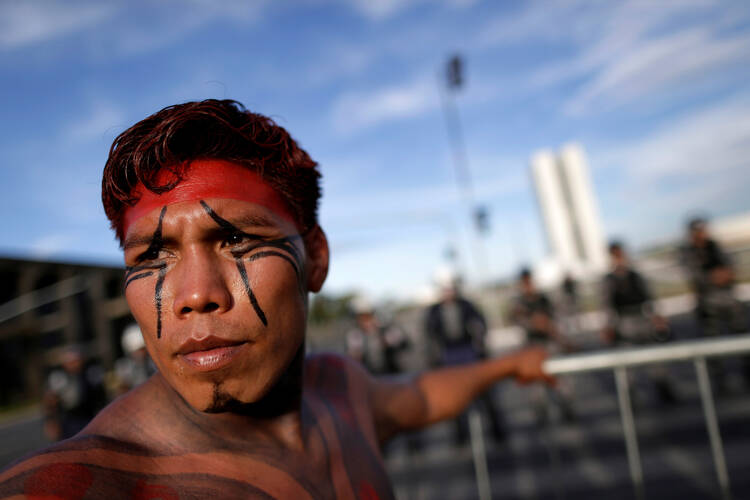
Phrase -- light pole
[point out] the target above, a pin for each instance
(448, 85)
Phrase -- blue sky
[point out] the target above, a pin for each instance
(656, 92)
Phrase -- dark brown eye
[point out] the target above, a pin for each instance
(240, 238)
(150, 254)
(234, 239)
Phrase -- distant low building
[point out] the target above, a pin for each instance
(733, 230)
(47, 305)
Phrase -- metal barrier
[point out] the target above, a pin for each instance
(619, 360)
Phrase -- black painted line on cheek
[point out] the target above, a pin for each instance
(270, 253)
(273, 253)
(130, 271)
(137, 277)
(157, 298)
(135, 269)
(157, 243)
(250, 294)
(286, 244)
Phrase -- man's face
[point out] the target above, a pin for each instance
(698, 234)
(527, 285)
(448, 293)
(219, 289)
(618, 257)
(366, 321)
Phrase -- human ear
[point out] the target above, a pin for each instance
(316, 247)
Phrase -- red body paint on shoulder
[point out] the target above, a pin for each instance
(145, 491)
(367, 492)
(59, 481)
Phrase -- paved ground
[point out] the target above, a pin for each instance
(585, 459)
(20, 435)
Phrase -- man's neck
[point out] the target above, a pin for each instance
(275, 419)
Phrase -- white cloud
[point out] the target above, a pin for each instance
(173, 20)
(356, 110)
(422, 204)
(705, 142)
(340, 60)
(560, 20)
(623, 51)
(379, 10)
(53, 244)
(103, 117)
(659, 64)
(695, 163)
(383, 276)
(154, 26)
(24, 23)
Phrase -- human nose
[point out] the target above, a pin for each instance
(200, 285)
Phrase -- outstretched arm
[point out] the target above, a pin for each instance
(444, 393)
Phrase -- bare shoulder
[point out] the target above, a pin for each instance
(344, 388)
(96, 466)
(93, 465)
(70, 468)
(330, 370)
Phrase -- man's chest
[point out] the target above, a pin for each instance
(342, 470)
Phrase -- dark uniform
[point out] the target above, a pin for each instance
(527, 313)
(73, 399)
(456, 331)
(632, 319)
(717, 309)
(629, 301)
(379, 349)
(534, 313)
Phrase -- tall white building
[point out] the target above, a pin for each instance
(571, 216)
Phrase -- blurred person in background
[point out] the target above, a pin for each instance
(456, 332)
(569, 289)
(375, 343)
(533, 311)
(379, 345)
(75, 393)
(136, 366)
(631, 316)
(570, 306)
(717, 310)
(216, 210)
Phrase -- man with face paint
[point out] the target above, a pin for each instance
(216, 211)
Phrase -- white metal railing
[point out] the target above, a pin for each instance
(662, 353)
(619, 360)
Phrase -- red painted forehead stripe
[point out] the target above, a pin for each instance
(211, 179)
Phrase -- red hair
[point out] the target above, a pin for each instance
(220, 129)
